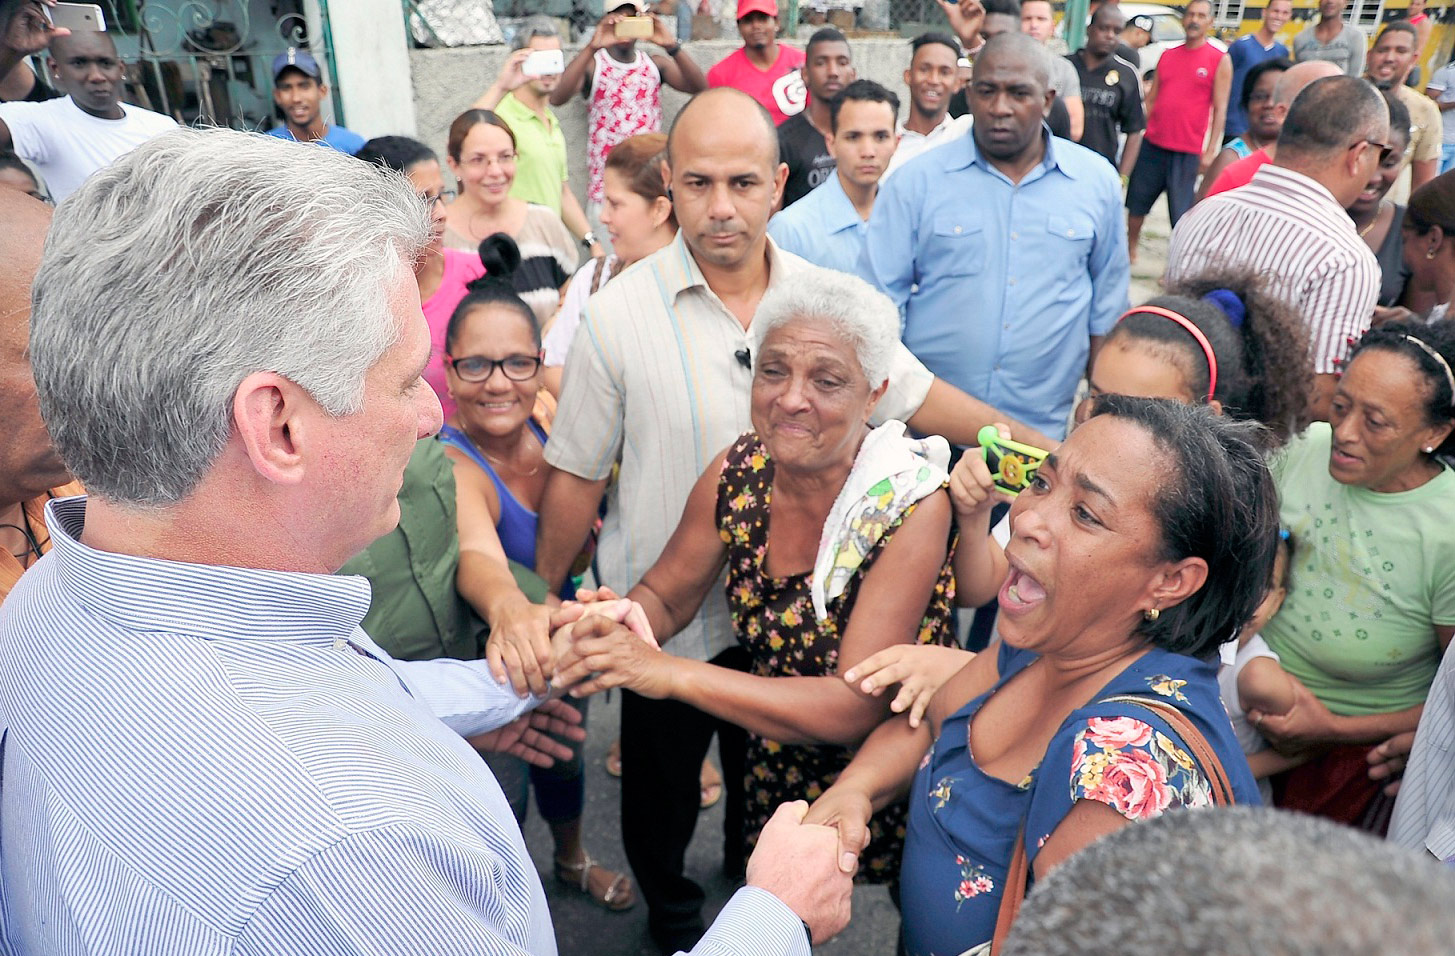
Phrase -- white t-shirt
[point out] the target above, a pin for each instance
(568, 318)
(1234, 659)
(67, 144)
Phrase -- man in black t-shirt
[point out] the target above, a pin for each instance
(829, 68)
(1110, 90)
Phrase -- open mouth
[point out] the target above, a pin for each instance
(1020, 592)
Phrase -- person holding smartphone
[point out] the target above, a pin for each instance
(623, 85)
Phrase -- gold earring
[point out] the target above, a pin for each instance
(1151, 614)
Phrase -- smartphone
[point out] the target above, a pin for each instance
(76, 17)
(544, 63)
(1012, 465)
(634, 28)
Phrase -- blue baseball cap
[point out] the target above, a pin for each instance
(296, 59)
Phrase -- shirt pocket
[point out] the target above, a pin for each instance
(1072, 234)
(957, 246)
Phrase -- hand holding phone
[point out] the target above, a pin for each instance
(1012, 465)
(544, 63)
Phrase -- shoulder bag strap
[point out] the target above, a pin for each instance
(1207, 758)
(1013, 894)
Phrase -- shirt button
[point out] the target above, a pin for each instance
(957, 230)
(1010, 282)
(1071, 233)
(1015, 235)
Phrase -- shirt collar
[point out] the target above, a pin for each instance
(1287, 180)
(680, 271)
(838, 211)
(944, 122)
(210, 601)
(514, 110)
(969, 155)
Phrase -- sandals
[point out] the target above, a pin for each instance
(618, 896)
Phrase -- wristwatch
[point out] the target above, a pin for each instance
(589, 239)
(672, 50)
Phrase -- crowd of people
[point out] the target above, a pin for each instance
(341, 475)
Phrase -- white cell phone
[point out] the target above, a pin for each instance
(76, 17)
(544, 63)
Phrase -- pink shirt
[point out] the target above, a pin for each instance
(1183, 108)
(1239, 173)
(780, 88)
(460, 268)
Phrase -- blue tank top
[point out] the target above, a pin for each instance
(1240, 148)
(517, 523)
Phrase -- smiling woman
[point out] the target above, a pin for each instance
(1140, 546)
(836, 539)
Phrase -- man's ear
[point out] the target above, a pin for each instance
(268, 414)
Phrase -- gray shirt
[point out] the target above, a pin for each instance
(1346, 51)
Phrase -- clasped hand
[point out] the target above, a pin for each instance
(535, 647)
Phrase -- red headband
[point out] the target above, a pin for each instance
(1195, 332)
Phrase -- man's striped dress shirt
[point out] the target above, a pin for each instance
(203, 759)
(1290, 231)
(1424, 814)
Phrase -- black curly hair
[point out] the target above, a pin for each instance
(501, 257)
(1435, 379)
(1217, 502)
(1263, 366)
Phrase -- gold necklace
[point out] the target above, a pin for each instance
(501, 463)
(1377, 213)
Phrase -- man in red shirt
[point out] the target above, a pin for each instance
(763, 68)
(1186, 106)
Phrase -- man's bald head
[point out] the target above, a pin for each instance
(724, 111)
(1021, 49)
(1300, 75)
(28, 463)
(89, 42)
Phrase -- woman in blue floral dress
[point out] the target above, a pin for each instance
(1142, 544)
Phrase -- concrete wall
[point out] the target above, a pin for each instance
(446, 82)
(370, 55)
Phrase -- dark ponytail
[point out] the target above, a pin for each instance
(1261, 346)
(501, 257)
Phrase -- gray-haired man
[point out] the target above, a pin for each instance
(203, 753)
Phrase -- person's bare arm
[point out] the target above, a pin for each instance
(965, 18)
(1088, 821)
(1422, 171)
(1222, 84)
(25, 30)
(980, 565)
(1226, 158)
(1265, 763)
(509, 79)
(578, 73)
(959, 417)
(1265, 686)
(1076, 114)
(568, 510)
(679, 70)
(1130, 150)
(576, 223)
(1150, 99)
(519, 647)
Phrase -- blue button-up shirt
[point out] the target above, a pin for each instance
(212, 760)
(1002, 285)
(822, 227)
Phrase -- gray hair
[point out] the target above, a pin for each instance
(861, 314)
(193, 261)
(1021, 44)
(532, 27)
(1240, 880)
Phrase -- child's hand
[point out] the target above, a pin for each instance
(1388, 760)
(971, 491)
(918, 669)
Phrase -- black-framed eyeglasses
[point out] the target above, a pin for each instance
(445, 196)
(478, 368)
(1384, 149)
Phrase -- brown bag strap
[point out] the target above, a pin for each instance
(1014, 893)
(1207, 758)
(1017, 877)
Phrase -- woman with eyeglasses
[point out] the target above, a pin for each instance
(482, 156)
(497, 437)
(442, 273)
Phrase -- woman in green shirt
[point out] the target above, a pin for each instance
(1371, 606)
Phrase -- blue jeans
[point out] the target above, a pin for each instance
(1447, 157)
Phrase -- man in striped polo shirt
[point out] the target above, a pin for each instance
(1289, 223)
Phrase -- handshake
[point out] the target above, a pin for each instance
(585, 646)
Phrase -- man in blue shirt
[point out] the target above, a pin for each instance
(243, 770)
(1004, 250)
(827, 226)
(1248, 51)
(298, 89)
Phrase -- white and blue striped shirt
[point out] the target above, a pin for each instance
(1424, 813)
(197, 761)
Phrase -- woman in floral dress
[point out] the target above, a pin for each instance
(836, 539)
(1141, 545)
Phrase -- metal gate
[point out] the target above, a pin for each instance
(209, 61)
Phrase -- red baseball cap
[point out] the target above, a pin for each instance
(746, 7)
